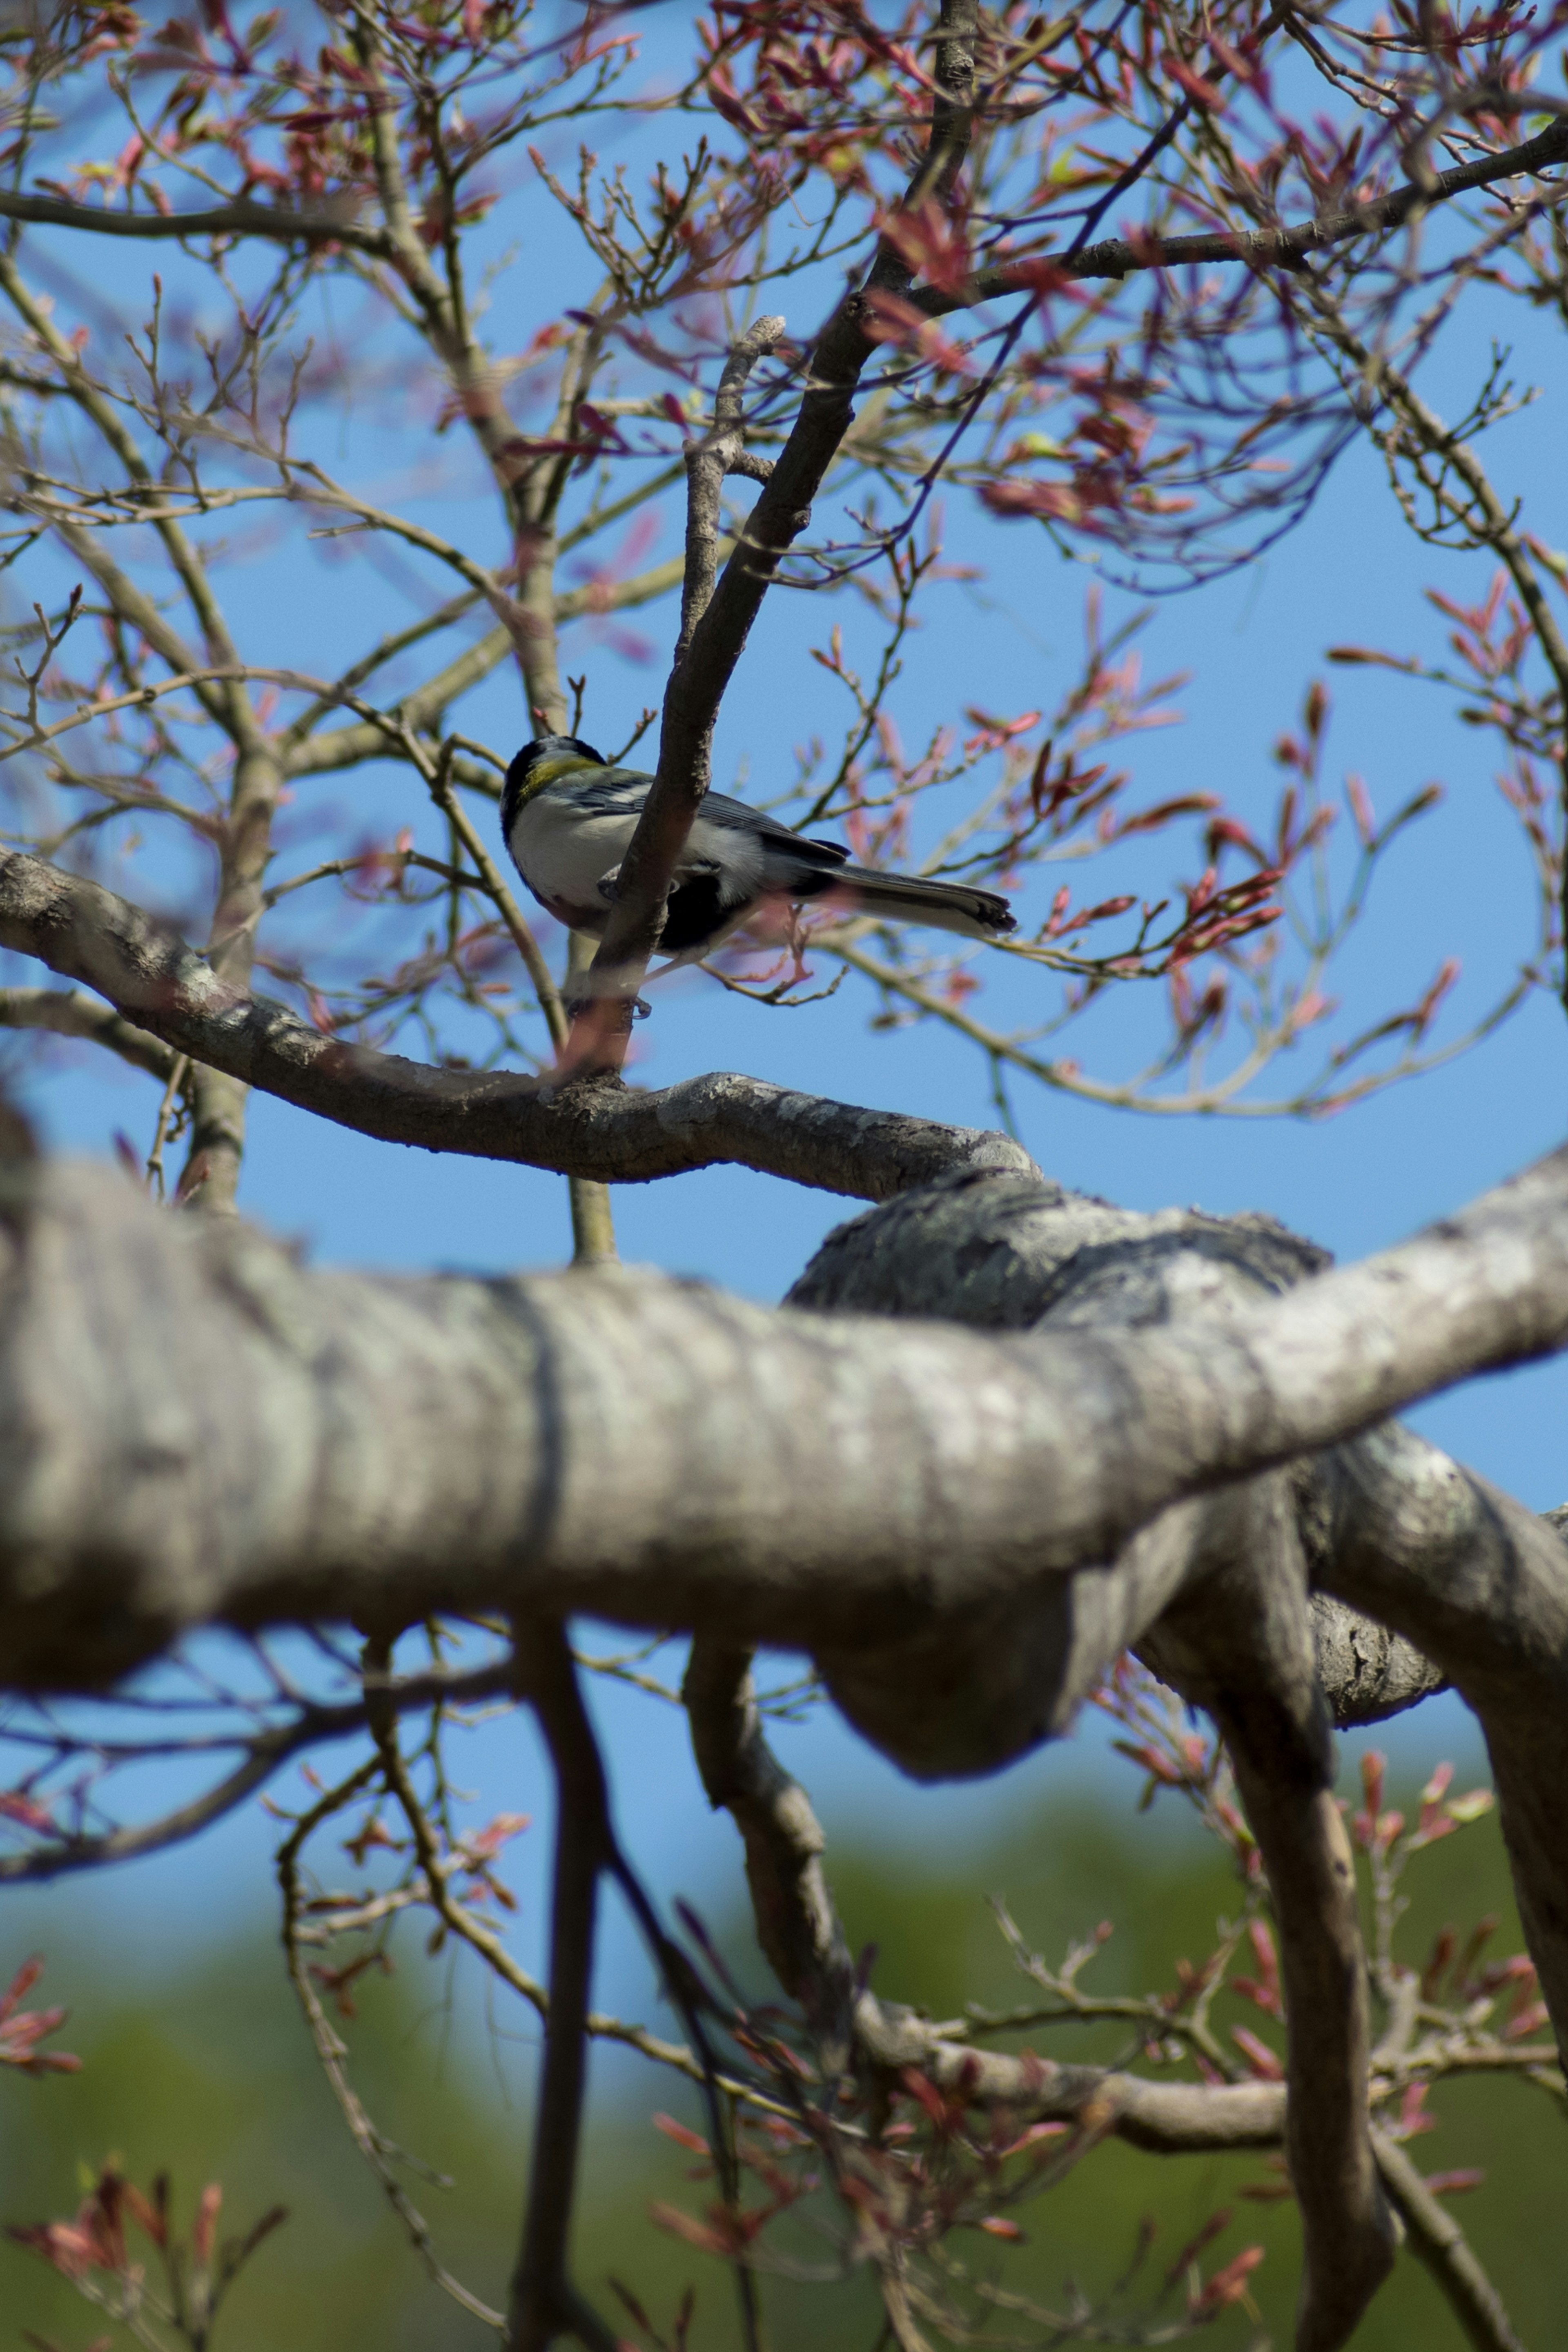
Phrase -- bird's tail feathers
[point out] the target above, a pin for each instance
(941, 906)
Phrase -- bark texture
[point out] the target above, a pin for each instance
(1085, 1429)
(196, 1427)
(595, 1127)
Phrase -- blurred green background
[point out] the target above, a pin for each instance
(208, 2073)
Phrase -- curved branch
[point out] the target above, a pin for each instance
(315, 1726)
(1481, 1585)
(597, 1128)
(1240, 1646)
(799, 1931)
(68, 1013)
(1365, 1672)
(195, 1428)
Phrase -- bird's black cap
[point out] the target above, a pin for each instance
(543, 747)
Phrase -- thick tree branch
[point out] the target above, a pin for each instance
(1216, 1596)
(198, 1426)
(801, 1936)
(597, 1128)
(1366, 1673)
(1482, 1586)
(1239, 1644)
(797, 1925)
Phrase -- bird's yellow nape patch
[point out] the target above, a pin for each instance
(549, 772)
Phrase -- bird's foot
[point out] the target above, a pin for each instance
(577, 1007)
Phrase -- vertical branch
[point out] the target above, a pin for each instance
(210, 1180)
(593, 1219)
(176, 1089)
(797, 1925)
(211, 1176)
(688, 1995)
(544, 2303)
(717, 634)
(1239, 1643)
(593, 1222)
(1349, 2236)
(439, 778)
(530, 490)
(720, 451)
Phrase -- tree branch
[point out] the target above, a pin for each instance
(1482, 1586)
(198, 1420)
(315, 1726)
(332, 2055)
(595, 1129)
(1239, 1644)
(544, 2303)
(68, 1013)
(647, 869)
(798, 1924)
(240, 217)
(1436, 2241)
(720, 451)
(1257, 248)
(803, 1943)
(717, 638)
(1366, 1673)
(421, 710)
(1113, 258)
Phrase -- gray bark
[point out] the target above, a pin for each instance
(596, 1128)
(198, 1428)
(1156, 1430)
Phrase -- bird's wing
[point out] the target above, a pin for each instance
(582, 827)
(776, 840)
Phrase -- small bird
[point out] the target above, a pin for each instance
(567, 818)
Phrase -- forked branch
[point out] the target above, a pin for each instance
(712, 644)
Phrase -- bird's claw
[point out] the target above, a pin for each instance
(576, 1008)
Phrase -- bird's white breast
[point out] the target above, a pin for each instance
(563, 852)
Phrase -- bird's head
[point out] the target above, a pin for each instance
(539, 763)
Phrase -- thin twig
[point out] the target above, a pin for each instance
(440, 782)
(331, 2051)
